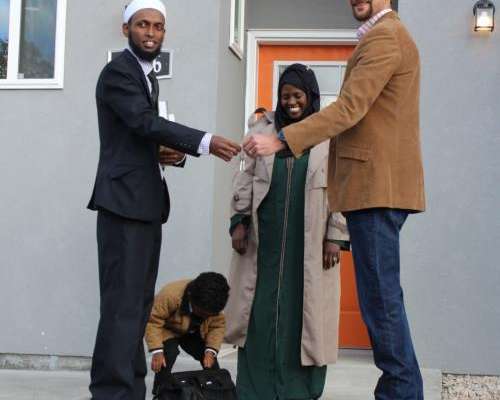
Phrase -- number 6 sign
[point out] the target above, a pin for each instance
(162, 64)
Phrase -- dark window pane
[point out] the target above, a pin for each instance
(38, 39)
(4, 37)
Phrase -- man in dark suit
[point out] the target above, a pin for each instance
(132, 199)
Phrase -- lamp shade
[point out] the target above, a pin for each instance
(484, 12)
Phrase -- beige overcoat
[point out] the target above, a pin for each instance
(321, 288)
(375, 156)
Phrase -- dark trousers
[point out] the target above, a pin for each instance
(375, 246)
(128, 253)
(192, 344)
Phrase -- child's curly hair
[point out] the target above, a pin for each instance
(209, 291)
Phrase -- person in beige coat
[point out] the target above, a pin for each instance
(375, 178)
(283, 309)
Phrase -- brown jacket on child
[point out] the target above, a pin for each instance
(168, 320)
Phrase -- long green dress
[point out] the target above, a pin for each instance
(269, 365)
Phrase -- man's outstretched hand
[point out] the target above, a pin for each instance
(262, 145)
(224, 148)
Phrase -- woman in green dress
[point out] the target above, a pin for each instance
(283, 310)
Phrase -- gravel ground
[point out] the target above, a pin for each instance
(467, 387)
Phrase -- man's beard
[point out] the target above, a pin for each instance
(363, 17)
(143, 55)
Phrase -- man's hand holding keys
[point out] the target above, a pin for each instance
(223, 148)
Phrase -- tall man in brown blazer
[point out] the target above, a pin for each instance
(375, 178)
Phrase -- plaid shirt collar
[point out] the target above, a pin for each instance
(368, 25)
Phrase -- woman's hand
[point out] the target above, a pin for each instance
(158, 362)
(331, 254)
(240, 239)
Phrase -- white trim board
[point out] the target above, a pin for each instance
(276, 37)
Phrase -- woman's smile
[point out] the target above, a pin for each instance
(295, 111)
(293, 100)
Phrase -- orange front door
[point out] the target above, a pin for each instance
(329, 64)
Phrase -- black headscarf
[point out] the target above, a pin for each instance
(303, 78)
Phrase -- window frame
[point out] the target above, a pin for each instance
(237, 48)
(12, 81)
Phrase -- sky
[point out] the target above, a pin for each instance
(4, 19)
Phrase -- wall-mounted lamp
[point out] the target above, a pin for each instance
(484, 11)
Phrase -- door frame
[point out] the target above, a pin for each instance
(256, 37)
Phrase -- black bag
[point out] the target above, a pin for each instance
(208, 384)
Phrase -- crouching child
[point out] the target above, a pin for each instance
(187, 314)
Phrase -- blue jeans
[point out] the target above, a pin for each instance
(375, 247)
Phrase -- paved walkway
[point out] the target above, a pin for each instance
(353, 378)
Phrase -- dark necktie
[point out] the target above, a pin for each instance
(155, 89)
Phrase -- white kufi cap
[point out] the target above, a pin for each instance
(137, 5)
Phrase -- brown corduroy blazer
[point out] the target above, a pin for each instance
(375, 157)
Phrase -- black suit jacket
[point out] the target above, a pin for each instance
(128, 181)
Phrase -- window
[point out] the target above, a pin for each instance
(4, 37)
(330, 76)
(237, 30)
(32, 44)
